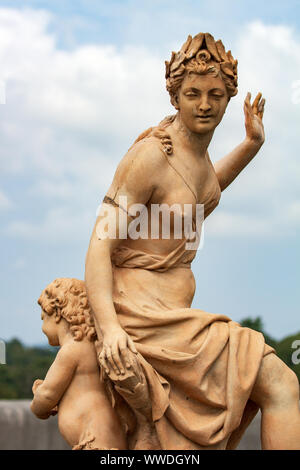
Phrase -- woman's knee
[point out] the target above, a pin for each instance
(276, 385)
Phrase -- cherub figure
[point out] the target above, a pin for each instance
(72, 387)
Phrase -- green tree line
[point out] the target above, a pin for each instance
(26, 364)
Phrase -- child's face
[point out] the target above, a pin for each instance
(50, 328)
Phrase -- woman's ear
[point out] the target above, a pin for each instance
(175, 101)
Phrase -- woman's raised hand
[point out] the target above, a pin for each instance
(253, 118)
(116, 350)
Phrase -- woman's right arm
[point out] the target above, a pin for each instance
(99, 285)
(135, 179)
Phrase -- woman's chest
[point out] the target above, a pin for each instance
(185, 184)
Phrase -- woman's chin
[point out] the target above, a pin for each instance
(202, 127)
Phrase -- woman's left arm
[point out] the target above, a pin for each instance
(228, 168)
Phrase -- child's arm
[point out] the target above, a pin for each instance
(59, 376)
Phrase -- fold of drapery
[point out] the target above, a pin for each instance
(200, 368)
(179, 257)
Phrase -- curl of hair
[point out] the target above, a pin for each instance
(68, 298)
(161, 133)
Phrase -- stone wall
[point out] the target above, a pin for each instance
(20, 429)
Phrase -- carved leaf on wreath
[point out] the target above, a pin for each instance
(172, 57)
(195, 45)
(221, 50)
(179, 71)
(227, 68)
(211, 47)
(167, 69)
(186, 45)
(179, 59)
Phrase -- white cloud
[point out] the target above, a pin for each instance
(5, 202)
(59, 225)
(284, 222)
(71, 115)
(261, 200)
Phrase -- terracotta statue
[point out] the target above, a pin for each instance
(71, 387)
(203, 376)
(172, 376)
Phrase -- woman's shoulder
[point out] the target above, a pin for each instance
(155, 139)
(147, 156)
(141, 168)
(147, 153)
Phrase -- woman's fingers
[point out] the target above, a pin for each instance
(116, 354)
(256, 103)
(261, 108)
(131, 346)
(110, 354)
(110, 357)
(102, 360)
(117, 359)
(247, 105)
(248, 98)
(125, 353)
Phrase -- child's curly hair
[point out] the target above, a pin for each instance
(67, 297)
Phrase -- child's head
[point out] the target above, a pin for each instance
(64, 304)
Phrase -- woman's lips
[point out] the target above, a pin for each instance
(204, 117)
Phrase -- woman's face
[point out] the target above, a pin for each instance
(202, 101)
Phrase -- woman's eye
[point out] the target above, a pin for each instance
(190, 94)
(215, 95)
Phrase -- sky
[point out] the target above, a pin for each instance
(82, 79)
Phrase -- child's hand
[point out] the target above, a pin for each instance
(54, 411)
(36, 384)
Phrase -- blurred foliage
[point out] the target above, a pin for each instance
(23, 366)
(26, 364)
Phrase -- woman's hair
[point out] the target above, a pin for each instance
(201, 55)
(67, 297)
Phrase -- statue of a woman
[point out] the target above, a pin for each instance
(178, 377)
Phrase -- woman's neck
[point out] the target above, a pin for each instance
(197, 143)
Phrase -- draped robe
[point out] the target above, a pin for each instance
(199, 368)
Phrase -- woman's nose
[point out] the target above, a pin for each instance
(204, 105)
